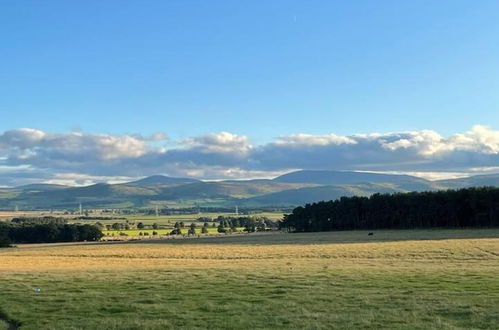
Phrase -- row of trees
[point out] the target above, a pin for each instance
(177, 229)
(46, 219)
(228, 225)
(126, 225)
(250, 224)
(472, 207)
(47, 232)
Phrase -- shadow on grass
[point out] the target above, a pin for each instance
(331, 237)
(338, 237)
(11, 323)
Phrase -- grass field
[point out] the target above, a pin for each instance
(418, 279)
(170, 219)
(7, 215)
(146, 219)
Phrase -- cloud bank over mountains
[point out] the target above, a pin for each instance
(29, 155)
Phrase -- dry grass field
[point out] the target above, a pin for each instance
(417, 279)
(9, 214)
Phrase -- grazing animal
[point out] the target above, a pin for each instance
(370, 234)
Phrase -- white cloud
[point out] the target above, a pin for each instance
(30, 143)
(300, 140)
(158, 136)
(43, 156)
(78, 179)
(480, 139)
(428, 143)
(425, 142)
(222, 142)
(22, 138)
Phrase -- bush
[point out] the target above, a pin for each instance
(176, 231)
(192, 229)
(4, 240)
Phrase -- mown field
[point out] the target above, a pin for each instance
(417, 279)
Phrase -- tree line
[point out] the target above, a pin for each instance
(471, 207)
(228, 225)
(250, 224)
(46, 232)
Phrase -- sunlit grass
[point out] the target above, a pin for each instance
(394, 279)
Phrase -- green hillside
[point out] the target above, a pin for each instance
(472, 181)
(161, 180)
(349, 177)
(288, 190)
(42, 187)
(302, 196)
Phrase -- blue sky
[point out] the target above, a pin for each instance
(258, 69)
(261, 68)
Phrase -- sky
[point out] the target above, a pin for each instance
(95, 91)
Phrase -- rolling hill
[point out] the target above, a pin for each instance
(161, 180)
(41, 187)
(349, 177)
(291, 189)
(472, 181)
(300, 196)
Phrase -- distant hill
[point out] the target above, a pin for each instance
(42, 187)
(302, 196)
(350, 177)
(156, 180)
(224, 189)
(291, 189)
(472, 181)
(97, 195)
(140, 194)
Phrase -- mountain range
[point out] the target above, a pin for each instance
(290, 189)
